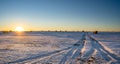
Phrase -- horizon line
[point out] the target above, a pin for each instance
(56, 31)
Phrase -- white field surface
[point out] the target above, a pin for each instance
(59, 48)
(110, 39)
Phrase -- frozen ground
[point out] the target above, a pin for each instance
(59, 48)
(110, 39)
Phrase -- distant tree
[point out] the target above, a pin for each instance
(83, 31)
(95, 32)
(4, 32)
(65, 30)
(56, 31)
(10, 30)
(31, 31)
(48, 30)
(60, 31)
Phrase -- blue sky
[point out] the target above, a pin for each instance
(90, 15)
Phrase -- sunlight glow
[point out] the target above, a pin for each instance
(19, 29)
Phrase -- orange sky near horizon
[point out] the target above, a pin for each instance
(54, 28)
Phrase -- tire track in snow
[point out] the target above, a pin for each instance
(77, 52)
(74, 52)
(48, 58)
(106, 54)
(87, 53)
(37, 56)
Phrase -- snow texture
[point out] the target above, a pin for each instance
(60, 48)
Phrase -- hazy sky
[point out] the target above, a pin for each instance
(102, 15)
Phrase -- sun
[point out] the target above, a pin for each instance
(19, 29)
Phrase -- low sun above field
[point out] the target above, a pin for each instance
(19, 28)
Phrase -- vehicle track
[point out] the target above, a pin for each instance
(104, 53)
(74, 52)
(77, 54)
(96, 54)
(40, 56)
(48, 59)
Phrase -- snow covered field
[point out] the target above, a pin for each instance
(110, 39)
(59, 48)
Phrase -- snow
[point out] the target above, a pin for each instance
(59, 48)
(110, 39)
(14, 47)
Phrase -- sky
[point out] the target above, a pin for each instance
(70, 15)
